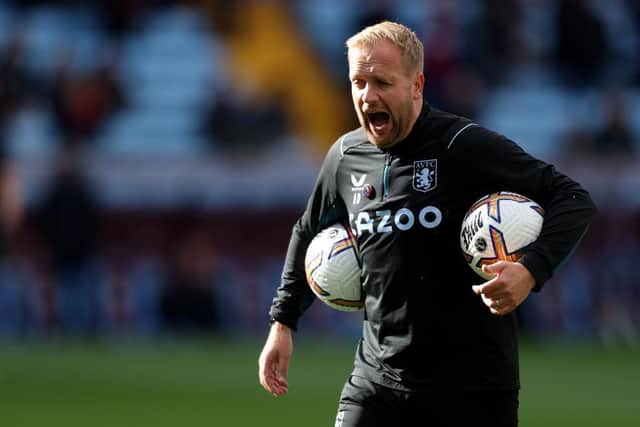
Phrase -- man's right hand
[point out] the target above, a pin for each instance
(274, 360)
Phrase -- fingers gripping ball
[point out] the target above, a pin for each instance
(333, 268)
(499, 227)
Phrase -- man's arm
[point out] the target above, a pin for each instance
(273, 363)
(569, 210)
(324, 208)
(504, 166)
(294, 296)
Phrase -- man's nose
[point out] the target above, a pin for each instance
(369, 94)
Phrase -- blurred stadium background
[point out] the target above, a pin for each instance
(155, 154)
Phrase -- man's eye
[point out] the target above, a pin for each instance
(358, 83)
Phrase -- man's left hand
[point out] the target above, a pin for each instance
(505, 292)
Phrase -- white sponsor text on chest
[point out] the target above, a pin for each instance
(386, 221)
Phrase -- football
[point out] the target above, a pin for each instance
(332, 267)
(499, 227)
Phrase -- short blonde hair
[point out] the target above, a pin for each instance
(401, 36)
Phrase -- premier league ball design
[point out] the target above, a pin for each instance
(333, 269)
(498, 227)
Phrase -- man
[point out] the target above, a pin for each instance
(438, 346)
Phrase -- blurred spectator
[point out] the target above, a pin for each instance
(374, 11)
(121, 16)
(494, 39)
(14, 79)
(615, 136)
(442, 54)
(578, 142)
(235, 123)
(463, 92)
(451, 85)
(69, 218)
(581, 45)
(11, 208)
(82, 104)
(12, 288)
(188, 302)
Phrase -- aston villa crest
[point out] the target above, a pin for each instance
(425, 175)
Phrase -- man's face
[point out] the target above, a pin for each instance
(387, 98)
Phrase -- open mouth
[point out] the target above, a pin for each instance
(379, 120)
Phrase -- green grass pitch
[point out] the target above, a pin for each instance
(214, 383)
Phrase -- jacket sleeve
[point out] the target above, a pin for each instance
(501, 165)
(324, 208)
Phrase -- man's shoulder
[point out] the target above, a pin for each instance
(461, 131)
(343, 145)
(350, 140)
(447, 125)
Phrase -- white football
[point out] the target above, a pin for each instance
(333, 270)
(498, 227)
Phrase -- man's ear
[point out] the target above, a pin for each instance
(418, 84)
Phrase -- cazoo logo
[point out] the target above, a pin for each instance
(385, 221)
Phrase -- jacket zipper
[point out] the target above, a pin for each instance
(385, 176)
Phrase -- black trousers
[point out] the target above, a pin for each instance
(363, 403)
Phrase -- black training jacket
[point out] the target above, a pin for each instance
(423, 325)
